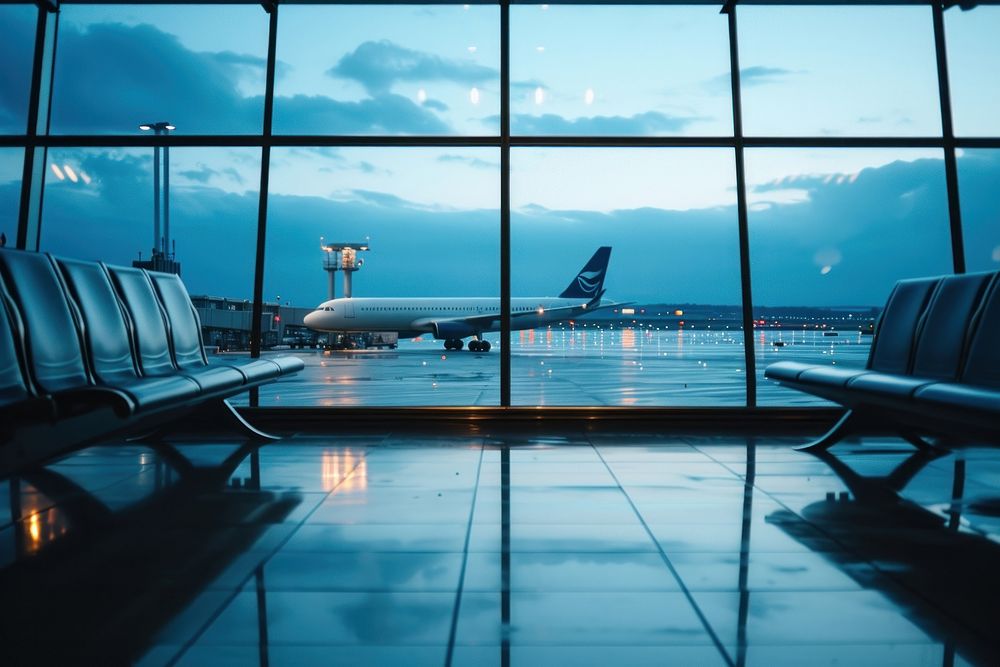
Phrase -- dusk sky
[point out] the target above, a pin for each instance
(828, 227)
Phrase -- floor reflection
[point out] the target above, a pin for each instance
(503, 549)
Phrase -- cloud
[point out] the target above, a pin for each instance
(18, 23)
(437, 105)
(201, 175)
(111, 77)
(641, 124)
(385, 113)
(474, 162)
(377, 66)
(759, 75)
(756, 75)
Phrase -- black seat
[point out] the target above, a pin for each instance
(186, 332)
(978, 387)
(108, 344)
(13, 387)
(892, 348)
(944, 333)
(152, 337)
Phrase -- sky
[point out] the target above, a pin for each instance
(828, 227)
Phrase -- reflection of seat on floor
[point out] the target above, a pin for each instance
(945, 580)
(101, 592)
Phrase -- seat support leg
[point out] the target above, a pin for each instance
(213, 417)
(918, 442)
(844, 427)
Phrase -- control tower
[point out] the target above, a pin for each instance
(341, 257)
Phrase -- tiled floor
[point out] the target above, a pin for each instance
(567, 549)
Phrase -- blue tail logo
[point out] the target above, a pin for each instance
(587, 284)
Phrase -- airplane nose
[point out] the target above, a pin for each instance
(309, 319)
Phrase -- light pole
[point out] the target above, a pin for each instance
(160, 245)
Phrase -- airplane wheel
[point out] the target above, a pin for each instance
(475, 346)
(459, 343)
(485, 346)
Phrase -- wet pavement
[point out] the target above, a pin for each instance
(606, 367)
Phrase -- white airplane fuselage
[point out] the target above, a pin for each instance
(443, 317)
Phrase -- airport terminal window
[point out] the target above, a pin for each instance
(387, 130)
(978, 175)
(99, 205)
(388, 69)
(10, 192)
(16, 51)
(831, 231)
(673, 334)
(432, 219)
(973, 61)
(853, 71)
(201, 68)
(619, 71)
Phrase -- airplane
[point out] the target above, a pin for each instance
(453, 319)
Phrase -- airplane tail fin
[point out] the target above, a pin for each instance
(588, 283)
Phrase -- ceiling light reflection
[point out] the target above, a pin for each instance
(58, 172)
(539, 95)
(474, 95)
(70, 174)
(588, 96)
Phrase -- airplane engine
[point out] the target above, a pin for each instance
(451, 330)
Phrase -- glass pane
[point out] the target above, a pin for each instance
(973, 62)
(978, 178)
(430, 219)
(16, 53)
(199, 67)
(831, 231)
(854, 71)
(430, 70)
(11, 164)
(628, 71)
(667, 331)
(99, 205)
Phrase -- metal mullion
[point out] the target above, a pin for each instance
(948, 131)
(505, 143)
(749, 356)
(32, 175)
(256, 140)
(256, 332)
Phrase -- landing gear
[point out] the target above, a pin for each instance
(479, 346)
(453, 344)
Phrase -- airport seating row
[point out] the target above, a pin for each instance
(934, 365)
(90, 351)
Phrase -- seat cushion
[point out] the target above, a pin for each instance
(288, 364)
(885, 384)
(156, 392)
(213, 379)
(830, 376)
(257, 370)
(962, 397)
(787, 370)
